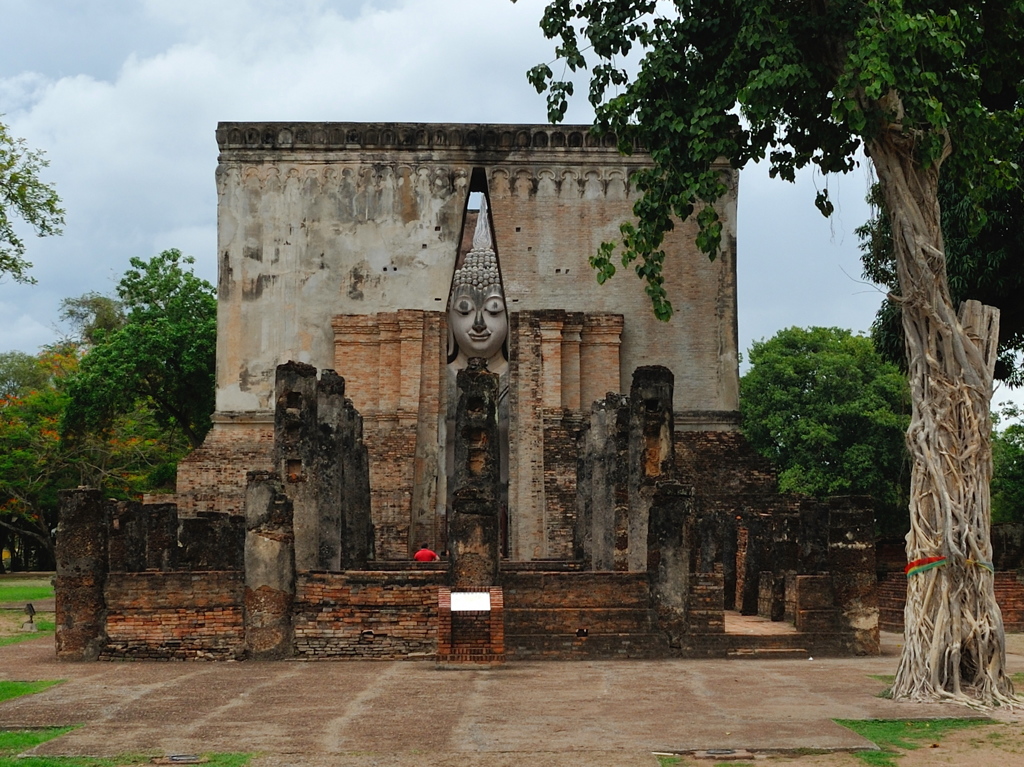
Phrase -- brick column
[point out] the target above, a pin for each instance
(410, 369)
(390, 362)
(81, 574)
(599, 357)
(269, 568)
(473, 533)
(551, 362)
(571, 386)
(357, 358)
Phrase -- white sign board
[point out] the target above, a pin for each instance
(463, 601)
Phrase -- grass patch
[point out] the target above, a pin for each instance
(4, 641)
(10, 622)
(890, 735)
(15, 742)
(10, 690)
(13, 591)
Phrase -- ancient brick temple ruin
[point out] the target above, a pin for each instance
(398, 367)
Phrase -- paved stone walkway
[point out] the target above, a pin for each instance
(358, 714)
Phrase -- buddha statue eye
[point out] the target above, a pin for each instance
(494, 305)
(464, 306)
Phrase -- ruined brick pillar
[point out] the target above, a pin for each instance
(600, 341)
(342, 480)
(651, 451)
(473, 536)
(669, 556)
(328, 474)
(851, 555)
(601, 482)
(295, 454)
(81, 573)
(269, 568)
(319, 452)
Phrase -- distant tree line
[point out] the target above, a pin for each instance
(115, 405)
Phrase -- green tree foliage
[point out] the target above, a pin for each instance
(163, 356)
(799, 84)
(91, 316)
(928, 89)
(133, 455)
(831, 414)
(1008, 470)
(984, 261)
(20, 373)
(24, 196)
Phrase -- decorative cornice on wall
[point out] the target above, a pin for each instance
(332, 136)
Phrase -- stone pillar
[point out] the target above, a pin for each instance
(328, 473)
(356, 522)
(651, 451)
(473, 536)
(81, 574)
(669, 559)
(295, 454)
(601, 481)
(429, 488)
(269, 568)
(851, 556)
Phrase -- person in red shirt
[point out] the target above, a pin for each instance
(425, 554)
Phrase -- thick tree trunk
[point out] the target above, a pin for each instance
(954, 644)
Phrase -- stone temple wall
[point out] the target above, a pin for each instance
(337, 243)
(325, 219)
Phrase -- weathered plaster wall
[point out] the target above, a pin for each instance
(322, 219)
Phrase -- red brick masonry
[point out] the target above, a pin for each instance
(892, 596)
(178, 615)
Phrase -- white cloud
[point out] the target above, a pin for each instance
(125, 96)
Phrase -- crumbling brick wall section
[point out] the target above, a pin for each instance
(134, 581)
(557, 361)
(1008, 586)
(1007, 558)
(575, 615)
(174, 615)
(367, 614)
(212, 477)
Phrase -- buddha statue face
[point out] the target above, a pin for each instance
(478, 321)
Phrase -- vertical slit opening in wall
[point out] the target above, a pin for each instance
(478, 194)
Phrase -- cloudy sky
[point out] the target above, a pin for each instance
(124, 97)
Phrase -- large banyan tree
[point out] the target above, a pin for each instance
(923, 88)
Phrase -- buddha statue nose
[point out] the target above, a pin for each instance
(479, 326)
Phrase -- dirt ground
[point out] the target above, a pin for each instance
(599, 714)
